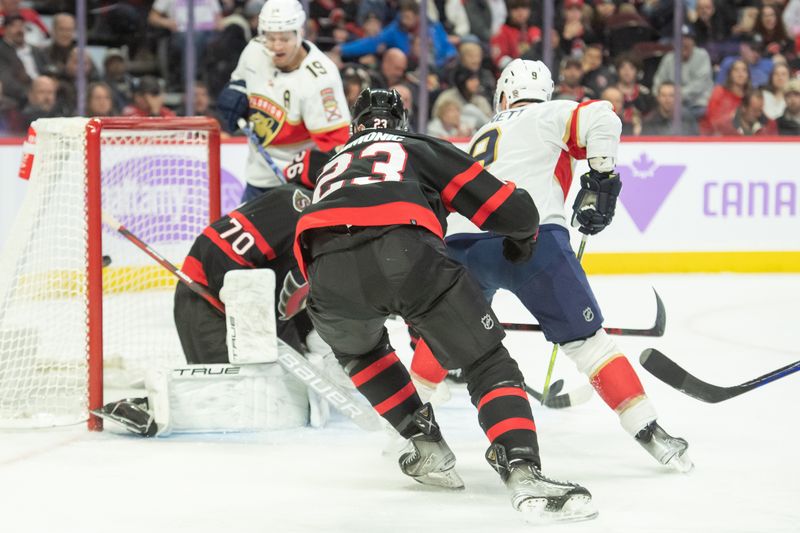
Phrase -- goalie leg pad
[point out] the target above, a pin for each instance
(222, 398)
(614, 379)
(249, 297)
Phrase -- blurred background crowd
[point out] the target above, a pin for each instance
(739, 59)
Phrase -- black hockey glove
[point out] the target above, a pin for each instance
(594, 207)
(519, 250)
(232, 104)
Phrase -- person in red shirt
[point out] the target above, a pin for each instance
(148, 100)
(749, 118)
(725, 99)
(515, 37)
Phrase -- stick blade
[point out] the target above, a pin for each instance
(676, 377)
(661, 316)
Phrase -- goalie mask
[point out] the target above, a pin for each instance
(379, 109)
(523, 80)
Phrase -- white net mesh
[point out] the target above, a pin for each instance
(156, 184)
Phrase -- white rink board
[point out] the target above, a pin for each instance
(676, 196)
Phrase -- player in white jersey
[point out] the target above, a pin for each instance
(534, 142)
(289, 91)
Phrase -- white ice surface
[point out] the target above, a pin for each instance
(725, 329)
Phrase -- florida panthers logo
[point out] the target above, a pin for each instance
(267, 118)
(300, 201)
(293, 297)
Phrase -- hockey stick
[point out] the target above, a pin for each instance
(656, 330)
(289, 359)
(676, 377)
(552, 364)
(242, 123)
(561, 401)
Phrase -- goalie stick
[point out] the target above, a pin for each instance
(676, 377)
(294, 363)
(656, 330)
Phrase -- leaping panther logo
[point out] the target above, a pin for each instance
(267, 118)
(294, 295)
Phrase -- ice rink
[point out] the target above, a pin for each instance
(725, 329)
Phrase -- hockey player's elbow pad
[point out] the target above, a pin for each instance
(232, 105)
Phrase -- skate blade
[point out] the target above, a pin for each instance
(578, 508)
(448, 479)
(682, 463)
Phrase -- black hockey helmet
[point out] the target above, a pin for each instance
(379, 109)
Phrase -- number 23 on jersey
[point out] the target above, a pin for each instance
(389, 162)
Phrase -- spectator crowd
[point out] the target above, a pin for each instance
(740, 59)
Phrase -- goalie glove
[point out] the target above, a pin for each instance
(594, 206)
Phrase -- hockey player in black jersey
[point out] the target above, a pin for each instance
(256, 236)
(371, 245)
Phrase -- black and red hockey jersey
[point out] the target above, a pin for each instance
(391, 177)
(258, 234)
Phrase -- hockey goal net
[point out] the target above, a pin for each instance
(78, 301)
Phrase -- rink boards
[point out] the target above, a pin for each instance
(687, 204)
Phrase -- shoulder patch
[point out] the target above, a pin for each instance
(331, 106)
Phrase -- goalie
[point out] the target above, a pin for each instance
(231, 382)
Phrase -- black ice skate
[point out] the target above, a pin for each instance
(667, 450)
(540, 499)
(430, 460)
(131, 413)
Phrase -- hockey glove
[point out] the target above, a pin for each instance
(519, 250)
(232, 104)
(594, 207)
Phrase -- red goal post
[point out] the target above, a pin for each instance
(65, 319)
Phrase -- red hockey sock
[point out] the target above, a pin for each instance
(425, 365)
(617, 383)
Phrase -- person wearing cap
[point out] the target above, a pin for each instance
(570, 87)
(148, 100)
(116, 75)
(789, 122)
(20, 63)
(696, 74)
(750, 50)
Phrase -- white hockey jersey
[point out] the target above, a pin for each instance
(535, 146)
(291, 111)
